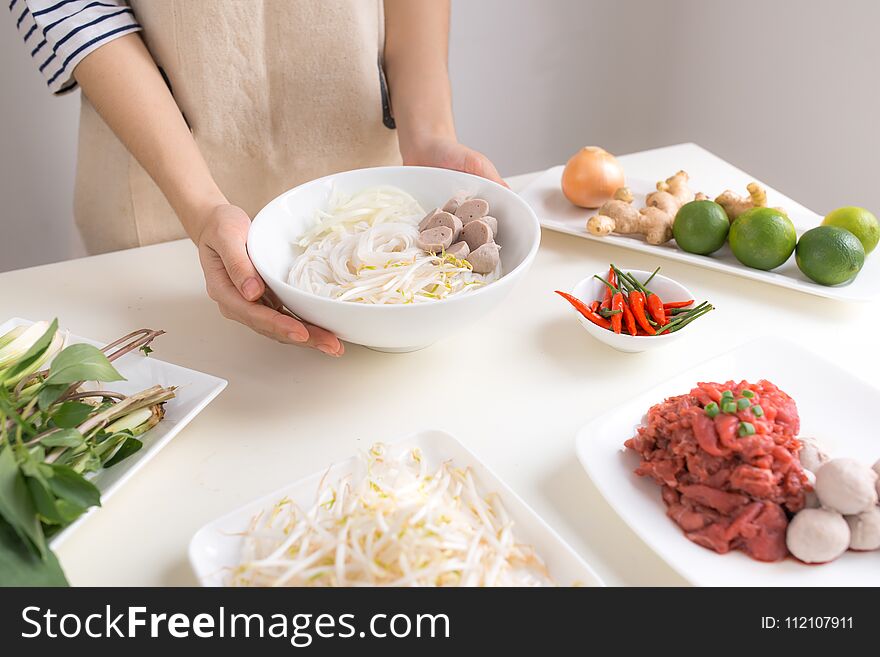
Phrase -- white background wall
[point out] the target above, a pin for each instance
(788, 90)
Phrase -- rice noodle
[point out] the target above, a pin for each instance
(393, 522)
(363, 248)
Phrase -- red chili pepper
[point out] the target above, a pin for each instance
(637, 303)
(585, 311)
(594, 306)
(612, 279)
(669, 305)
(629, 319)
(617, 320)
(655, 307)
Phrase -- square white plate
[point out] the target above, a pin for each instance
(194, 391)
(215, 548)
(835, 407)
(554, 211)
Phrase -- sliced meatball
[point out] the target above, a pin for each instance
(476, 233)
(475, 208)
(435, 240)
(485, 258)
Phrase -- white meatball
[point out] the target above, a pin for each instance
(811, 457)
(817, 535)
(846, 486)
(865, 530)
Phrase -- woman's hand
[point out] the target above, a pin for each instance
(448, 153)
(232, 281)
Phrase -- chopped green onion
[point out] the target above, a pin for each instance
(758, 411)
(742, 404)
(746, 429)
(712, 409)
(748, 393)
(727, 394)
(729, 406)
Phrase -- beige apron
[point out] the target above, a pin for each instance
(276, 92)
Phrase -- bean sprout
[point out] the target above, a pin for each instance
(392, 522)
(363, 248)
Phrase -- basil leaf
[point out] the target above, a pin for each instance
(33, 354)
(129, 447)
(82, 362)
(18, 567)
(53, 510)
(71, 414)
(49, 395)
(16, 505)
(63, 438)
(67, 484)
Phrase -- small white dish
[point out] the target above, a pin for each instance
(398, 327)
(216, 547)
(545, 196)
(835, 407)
(195, 390)
(590, 289)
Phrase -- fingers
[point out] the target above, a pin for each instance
(262, 318)
(234, 283)
(229, 241)
(480, 165)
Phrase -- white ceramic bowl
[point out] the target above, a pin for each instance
(404, 327)
(589, 289)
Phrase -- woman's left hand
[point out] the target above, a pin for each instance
(448, 153)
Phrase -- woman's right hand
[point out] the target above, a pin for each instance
(232, 281)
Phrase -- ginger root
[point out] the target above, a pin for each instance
(734, 204)
(653, 221)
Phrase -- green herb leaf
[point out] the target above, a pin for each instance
(147, 350)
(67, 484)
(71, 414)
(52, 510)
(63, 438)
(33, 354)
(129, 447)
(82, 362)
(16, 505)
(19, 567)
(49, 395)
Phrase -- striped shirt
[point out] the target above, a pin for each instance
(60, 33)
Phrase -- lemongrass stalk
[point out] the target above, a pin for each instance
(136, 422)
(151, 397)
(148, 397)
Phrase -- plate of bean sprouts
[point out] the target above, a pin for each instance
(421, 511)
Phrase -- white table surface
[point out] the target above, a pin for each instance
(288, 412)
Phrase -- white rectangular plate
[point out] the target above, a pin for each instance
(554, 211)
(194, 391)
(215, 548)
(835, 407)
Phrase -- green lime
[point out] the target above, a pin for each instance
(762, 238)
(859, 222)
(830, 255)
(701, 227)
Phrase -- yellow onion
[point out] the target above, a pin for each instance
(591, 177)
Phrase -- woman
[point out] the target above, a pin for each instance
(196, 113)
